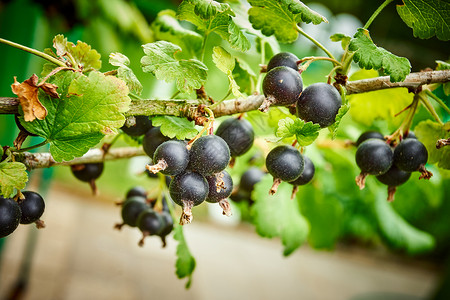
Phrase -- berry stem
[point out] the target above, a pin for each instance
(316, 58)
(186, 215)
(317, 43)
(376, 13)
(34, 51)
(391, 193)
(430, 108)
(361, 180)
(205, 127)
(225, 205)
(29, 148)
(274, 188)
(159, 166)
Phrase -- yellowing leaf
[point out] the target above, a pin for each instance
(13, 175)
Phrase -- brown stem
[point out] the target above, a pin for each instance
(391, 193)
(294, 191)
(361, 180)
(274, 188)
(144, 235)
(39, 224)
(424, 173)
(267, 102)
(442, 143)
(225, 205)
(186, 215)
(160, 166)
(119, 226)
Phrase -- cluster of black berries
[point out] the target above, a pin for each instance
(138, 211)
(392, 164)
(26, 210)
(283, 85)
(286, 163)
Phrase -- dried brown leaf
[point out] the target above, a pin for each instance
(27, 92)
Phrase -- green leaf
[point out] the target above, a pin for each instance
(378, 105)
(13, 175)
(343, 110)
(280, 18)
(89, 107)
(84, 56)
(177, 127)
(429, 132)
(166, 27)
(244, 76)
(211, 16)
(305, 133)
(340, 37)
(397, 232)
(160, 60)
(124, 72)
(226, 63)
(369, 56)
(185, 263)
(427, 18)
(278, 215)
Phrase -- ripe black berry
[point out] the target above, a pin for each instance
(319, 103)
(131, 209)
(238, 134)
(220, 188)
(284, 163)
(373, 157)
(152, 139)
(410, 154)
(209, 155)
(247, 183)
(32, 208)
(9, 216)
(306, 176)
(136, 191)
(141, 125)
(281, 86)
(88, 173)
(188, 190)
(149, 222)
(171, 158)
(393, 178)
(167, 226)
(286, 59)
(369, 135)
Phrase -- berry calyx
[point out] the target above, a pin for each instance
(171, 157)
(220, 188)
(319, 103)
(32, 207)
(281, 86)
(373, 157)
(188, 190)
(238, 134)
(209, 155)
(284, 163)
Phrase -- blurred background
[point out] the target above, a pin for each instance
(356, 249)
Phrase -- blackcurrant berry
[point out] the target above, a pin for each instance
(286, 59)
(369, 135)
(171, 158)
(10, 215)
(411, 155)
(319, 103)
(167, 226)
(209, 155)
(373, 157)
(284, 163)
(152, 139)
(149, 222)
(306, 176)
(248, 180)
(188, 190)
(131, 209)
(238, 134)
(410, 135)
(88, 173)
(393, 178)
(141, 125)
(136, 191)
(32, 208)
(281, 86)
(220, 188)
